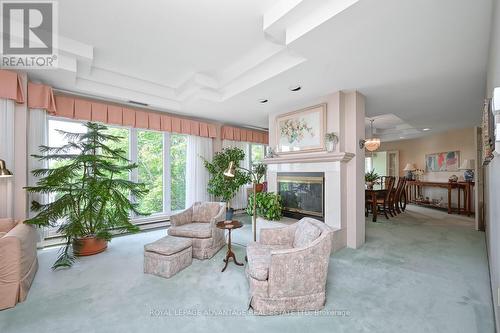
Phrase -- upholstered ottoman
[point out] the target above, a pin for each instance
(167, 256)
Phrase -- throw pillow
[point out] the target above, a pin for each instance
(305, 234)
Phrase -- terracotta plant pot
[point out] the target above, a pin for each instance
(259, 188)
(88, 246)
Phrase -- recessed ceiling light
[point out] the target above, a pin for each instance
(263, 100)
(426, 129)
(402, 137)
(295, 87)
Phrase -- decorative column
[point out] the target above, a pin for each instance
(353, 189)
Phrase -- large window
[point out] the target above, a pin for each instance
(161, 159)
(150, 171)
(123, 143)
(257, 153)
(178, 146)
(58, 139)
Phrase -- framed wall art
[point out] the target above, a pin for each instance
(302, 130)
(447, 161)
(488, 133)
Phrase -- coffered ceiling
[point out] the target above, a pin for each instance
(421, 61)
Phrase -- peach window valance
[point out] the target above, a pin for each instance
(243, 134)
(84, 109)
(41, 96)
(11, 86)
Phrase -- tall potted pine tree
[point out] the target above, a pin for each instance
(89, 182)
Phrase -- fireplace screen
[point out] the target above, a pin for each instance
(302, 194)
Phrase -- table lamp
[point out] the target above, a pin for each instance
(409, 168)
(4, 172)
(468, 166)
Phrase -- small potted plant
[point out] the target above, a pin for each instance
(371, 178)
(331, 141)
(260, 170)
(269, 205)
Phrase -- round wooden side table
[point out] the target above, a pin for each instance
(229, 226)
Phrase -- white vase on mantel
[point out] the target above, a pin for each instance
(330, 146)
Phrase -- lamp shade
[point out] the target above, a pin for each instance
(410, 167)
(4, 172)
(467, 165)
(372, 144)
(229, 172)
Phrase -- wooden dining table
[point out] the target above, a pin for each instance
(374, 194)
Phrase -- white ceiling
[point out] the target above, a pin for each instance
(421, 61)
(389, 127)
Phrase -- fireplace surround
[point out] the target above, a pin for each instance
(344, 187)
(302, 194)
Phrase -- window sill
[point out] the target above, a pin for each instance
(145, 224)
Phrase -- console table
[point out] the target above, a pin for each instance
(414, 190)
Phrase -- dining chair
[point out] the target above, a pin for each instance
(403, 197)
(383, 201)
(384, 181)
(399, 195)
(395, 197)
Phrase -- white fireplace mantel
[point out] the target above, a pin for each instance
(310, 158)
(332, 184)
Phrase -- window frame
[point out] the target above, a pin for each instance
(158, 217)
(368, 163)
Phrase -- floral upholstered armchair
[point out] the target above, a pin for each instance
(198, 222)
(287, 269)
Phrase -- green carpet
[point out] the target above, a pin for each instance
(424, 271)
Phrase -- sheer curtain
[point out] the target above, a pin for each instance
(37, 136)
(7, 154)
(240, 199)
(198, 148)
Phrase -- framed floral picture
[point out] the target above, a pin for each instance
(302, 130)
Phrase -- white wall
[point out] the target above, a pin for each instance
(492, 171)
(492, 198)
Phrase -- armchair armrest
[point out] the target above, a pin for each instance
(300, 271)
(20, 246)
(7, 224)
(278, 236)
(10, 263)
(184, 217)
(221, 216)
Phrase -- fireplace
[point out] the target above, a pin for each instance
(302, 194)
